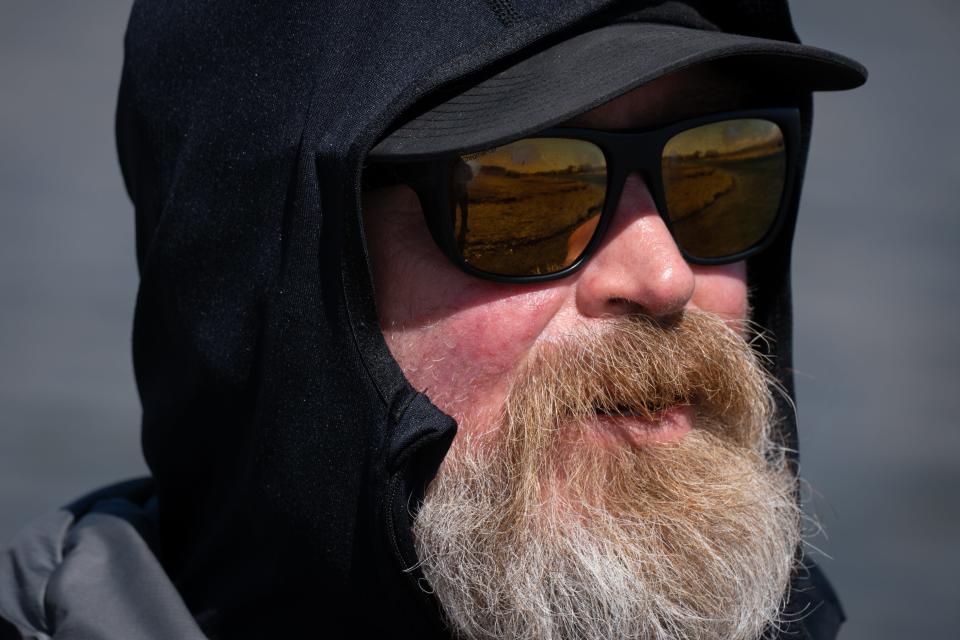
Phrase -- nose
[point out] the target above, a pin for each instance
(638, 267)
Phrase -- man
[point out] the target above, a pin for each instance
(558, 228)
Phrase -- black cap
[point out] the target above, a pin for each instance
(592, 68)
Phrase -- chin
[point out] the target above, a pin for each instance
(630, 490)
(689, 538)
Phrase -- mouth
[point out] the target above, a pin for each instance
(618, 426)
(646, 412)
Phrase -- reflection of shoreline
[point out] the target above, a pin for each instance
(493, 199)
(584, 218)
(748, 153)
(712, 200)
(717, 196)
(579, 173)
(544, 213)
(750, 208)
(695, 188)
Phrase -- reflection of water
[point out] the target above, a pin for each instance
(530, 223)
(740, 215)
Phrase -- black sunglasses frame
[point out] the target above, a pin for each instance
(625, 152)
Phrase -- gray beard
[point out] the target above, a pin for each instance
(539, 533)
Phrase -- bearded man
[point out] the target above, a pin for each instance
(455, 321)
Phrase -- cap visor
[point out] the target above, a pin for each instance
(588, 70)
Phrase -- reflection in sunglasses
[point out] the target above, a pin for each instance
(530, 207)
(723, 183)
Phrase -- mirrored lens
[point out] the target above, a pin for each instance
(529, 207)
(723, 183)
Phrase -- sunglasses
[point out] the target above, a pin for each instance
(535, 209)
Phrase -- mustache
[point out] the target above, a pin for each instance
(638, 366)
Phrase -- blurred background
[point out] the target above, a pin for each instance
(876, 288)
(877, 296)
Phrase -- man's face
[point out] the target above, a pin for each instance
(613, 474)
(463, 339)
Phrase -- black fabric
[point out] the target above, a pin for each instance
(286, 446)
(8, 631)
(813, 610)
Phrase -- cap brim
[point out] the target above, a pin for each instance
(590, 69)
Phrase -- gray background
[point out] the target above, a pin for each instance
(876, 292)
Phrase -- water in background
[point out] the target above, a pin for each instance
(875, 270)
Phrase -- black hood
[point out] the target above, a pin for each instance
(285, 442)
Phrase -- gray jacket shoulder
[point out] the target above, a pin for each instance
(87, 572)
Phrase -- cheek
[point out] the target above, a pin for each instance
(721, 289)
(398, 243)
(466, 361)
(456, 337)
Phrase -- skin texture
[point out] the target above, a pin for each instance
(462, 339)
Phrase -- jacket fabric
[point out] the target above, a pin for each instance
(285, 445)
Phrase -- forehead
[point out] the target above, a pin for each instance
(698, 90)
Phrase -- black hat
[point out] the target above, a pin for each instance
(589, 69)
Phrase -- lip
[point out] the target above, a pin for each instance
(668, 425)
